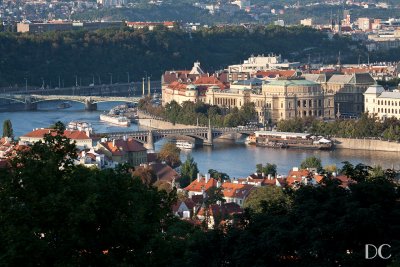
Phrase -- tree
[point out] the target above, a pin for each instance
(145, 174)
(55, 213)
(267, 169)
(58, 126)
(311, 162)
(8, 129)
(218, 175)
(189, 171)
(267, 199)
(170, 154)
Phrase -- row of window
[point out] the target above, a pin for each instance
(388, 110)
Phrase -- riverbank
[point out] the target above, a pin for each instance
(367, 144)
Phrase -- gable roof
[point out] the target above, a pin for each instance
(74, 134)
(233, 190)
(120, 147)
(200, 184)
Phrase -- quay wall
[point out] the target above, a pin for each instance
(156, 123)
(367, 144)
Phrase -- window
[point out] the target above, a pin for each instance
(320, 103)
(310, 103)
(281, 104)
(298, 103)
(304, 113)
(304, 103)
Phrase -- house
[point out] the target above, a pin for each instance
(90, 158)
(184, 209)
(81, 138)
(236, 193)
(200, 185)
(121, 151)
(218, 214)
(6, 146)
(260, 179)
(164, 172)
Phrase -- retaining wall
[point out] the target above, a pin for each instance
(367, 144)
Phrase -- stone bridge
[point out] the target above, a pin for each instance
(206, 134)
(90, 102)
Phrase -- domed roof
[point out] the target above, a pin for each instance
(375, 89)
(191, 87)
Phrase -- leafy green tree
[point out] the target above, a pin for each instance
(170, 154)
(55, 213)
(58, 126)
(218, 175)
(8, 129)
(267, 199)
(311, 162)
(267, 169)
(189, 171)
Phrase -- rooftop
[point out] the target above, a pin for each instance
(291, 83)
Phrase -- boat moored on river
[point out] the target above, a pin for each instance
(289, 140)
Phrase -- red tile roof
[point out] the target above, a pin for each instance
(74, 135)
(198, 186)
(233, 190)
(120, 147)
(276, 73)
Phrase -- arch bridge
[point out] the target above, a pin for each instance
(205, 134)
(90, 102)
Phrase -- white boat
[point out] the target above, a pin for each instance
(184, 144)
(82, 126)
(117, 120)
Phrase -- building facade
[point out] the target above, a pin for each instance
(124, 151)
(277, 100)
(381, 103)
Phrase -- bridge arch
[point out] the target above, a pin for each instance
(13, 99)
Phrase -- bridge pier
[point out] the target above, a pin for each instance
(29, 105)
(209, 140)
(150, 141)
(90, 106)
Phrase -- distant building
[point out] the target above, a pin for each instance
(236, 193)
(127, 151)
(200, 185)
(306, 22)
(112, 3)
(383, 104)
(262, 63)
(364, 24)
(150, 25)
(348, 91)
(39, 27)
(82, 139)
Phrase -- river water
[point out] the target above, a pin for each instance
(237, 160)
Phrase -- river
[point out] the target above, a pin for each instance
(237, 160)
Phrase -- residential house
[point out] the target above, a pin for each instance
(81, 138)
(121, 151)
(217, 214)
(236, 193)
(200, 185)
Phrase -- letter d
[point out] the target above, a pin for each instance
(367, 251)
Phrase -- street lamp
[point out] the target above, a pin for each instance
(128, 76)
(76, 80)
(110, 77)
(26, 84)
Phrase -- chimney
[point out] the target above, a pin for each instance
(219, 183)
(295, 169)
(198, 177)
(334, 174)
(262, 174)
(207, 177)
(113, 142)
(269, 176)
(124, 137)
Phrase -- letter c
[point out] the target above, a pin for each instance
(380, 251)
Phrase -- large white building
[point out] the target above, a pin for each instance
(261, 63)
(383, 104)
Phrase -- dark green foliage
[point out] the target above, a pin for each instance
(363, 127)
(267, 169)
(117, 51)
(54, 213)
(311, 162)
(199, 113)
(189, 171)
(8, 129)
(218, 175)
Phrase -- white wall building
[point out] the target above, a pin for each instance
(384, 104)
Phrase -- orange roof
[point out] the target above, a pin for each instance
(236, 190)
(210, 80)
(276, 73)
(198, 186)
(298, 174)
(74, 135)
(120, 147)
